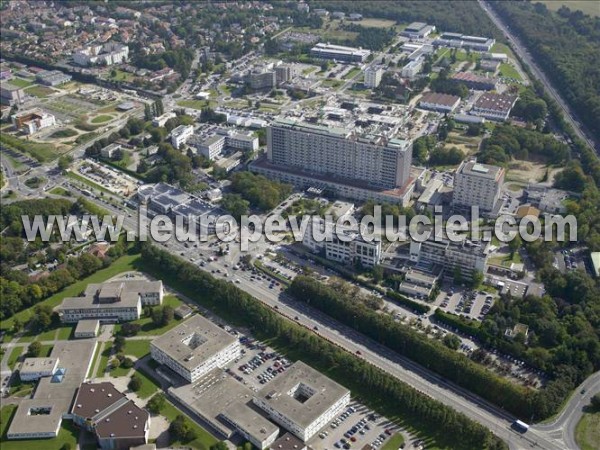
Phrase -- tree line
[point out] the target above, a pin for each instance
(373, 385)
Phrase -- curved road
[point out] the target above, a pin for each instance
(563, 426)
(520, 49)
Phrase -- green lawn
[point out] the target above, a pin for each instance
(149, 385)
(507, 70)
(102, 118)
(148, 327)
(45, 350)
(352, 73)
(194, 104)
(14, 356)
(120, 372)
(103, 361)
(394, 443)
(64, 133)
(503, 48)
(137, 348)
(65, 333)
(41, 152)
(39, 91)
(589, 7)
(204, 439)
(123, 264)
(31, 336)
(20, 82)
(60, 191)
(121, 75)
(587, 433)
(68, 434)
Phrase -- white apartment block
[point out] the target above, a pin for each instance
(373, 77)
(109, 150)
(115, 301)
(195, 347)
(339, 153)
(107, 54)
(349, 250)
(213, 146)
(160, 121)
(412, 69)
(477, 185)
(181, 134)
(302, 400)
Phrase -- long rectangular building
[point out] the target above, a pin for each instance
(339, 153)
(194, 348)
(339, 52)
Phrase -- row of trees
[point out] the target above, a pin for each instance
(372, 384)
(431, 354)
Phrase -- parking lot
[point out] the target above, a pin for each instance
(474, 304)
(356, 427)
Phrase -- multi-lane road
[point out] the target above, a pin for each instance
(521, 50)
(556, 436)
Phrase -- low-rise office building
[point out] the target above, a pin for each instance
(117, 422)
(87, 329)
(439, 102)
(418, 30)
(302, 400)
(494, 106)
(339, 53)
(52, 77)
(476, 82)
(412, 69)
(33, 369)
(110, 150)
(11, 95)
(115, 301)
(194, 348)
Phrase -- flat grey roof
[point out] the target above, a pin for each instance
(207, 340)
(217, 394)
(87, 326)
(277, 394)
(480, 170)
(31, 365)
(74, 360)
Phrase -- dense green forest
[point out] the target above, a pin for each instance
(566, 44)
(459, 16)
(376, 388)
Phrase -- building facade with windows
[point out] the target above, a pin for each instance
(479, 185)
(194, 348)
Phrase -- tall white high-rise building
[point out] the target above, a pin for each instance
(373, 77)
(339, 154)
(477, 184)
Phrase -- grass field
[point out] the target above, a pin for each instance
(394, 442)
(507, 70)
(590, 7)
(587, 433)
(352, 73)
(195, 104)
(67, 435)
(59, 191)
(20, 82)
(39, 91)
(121, 76)
(376, 23)
(14, 356)
(104, 356)
(64, 133)
(148, 327)
(138, 348)
(45, 350)
(31, 336)
(123, 264)
(41, 152)
(149, 385)
(102, 118)
(204, 439)
(94, 358)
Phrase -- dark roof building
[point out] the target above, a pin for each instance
(117, 422)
